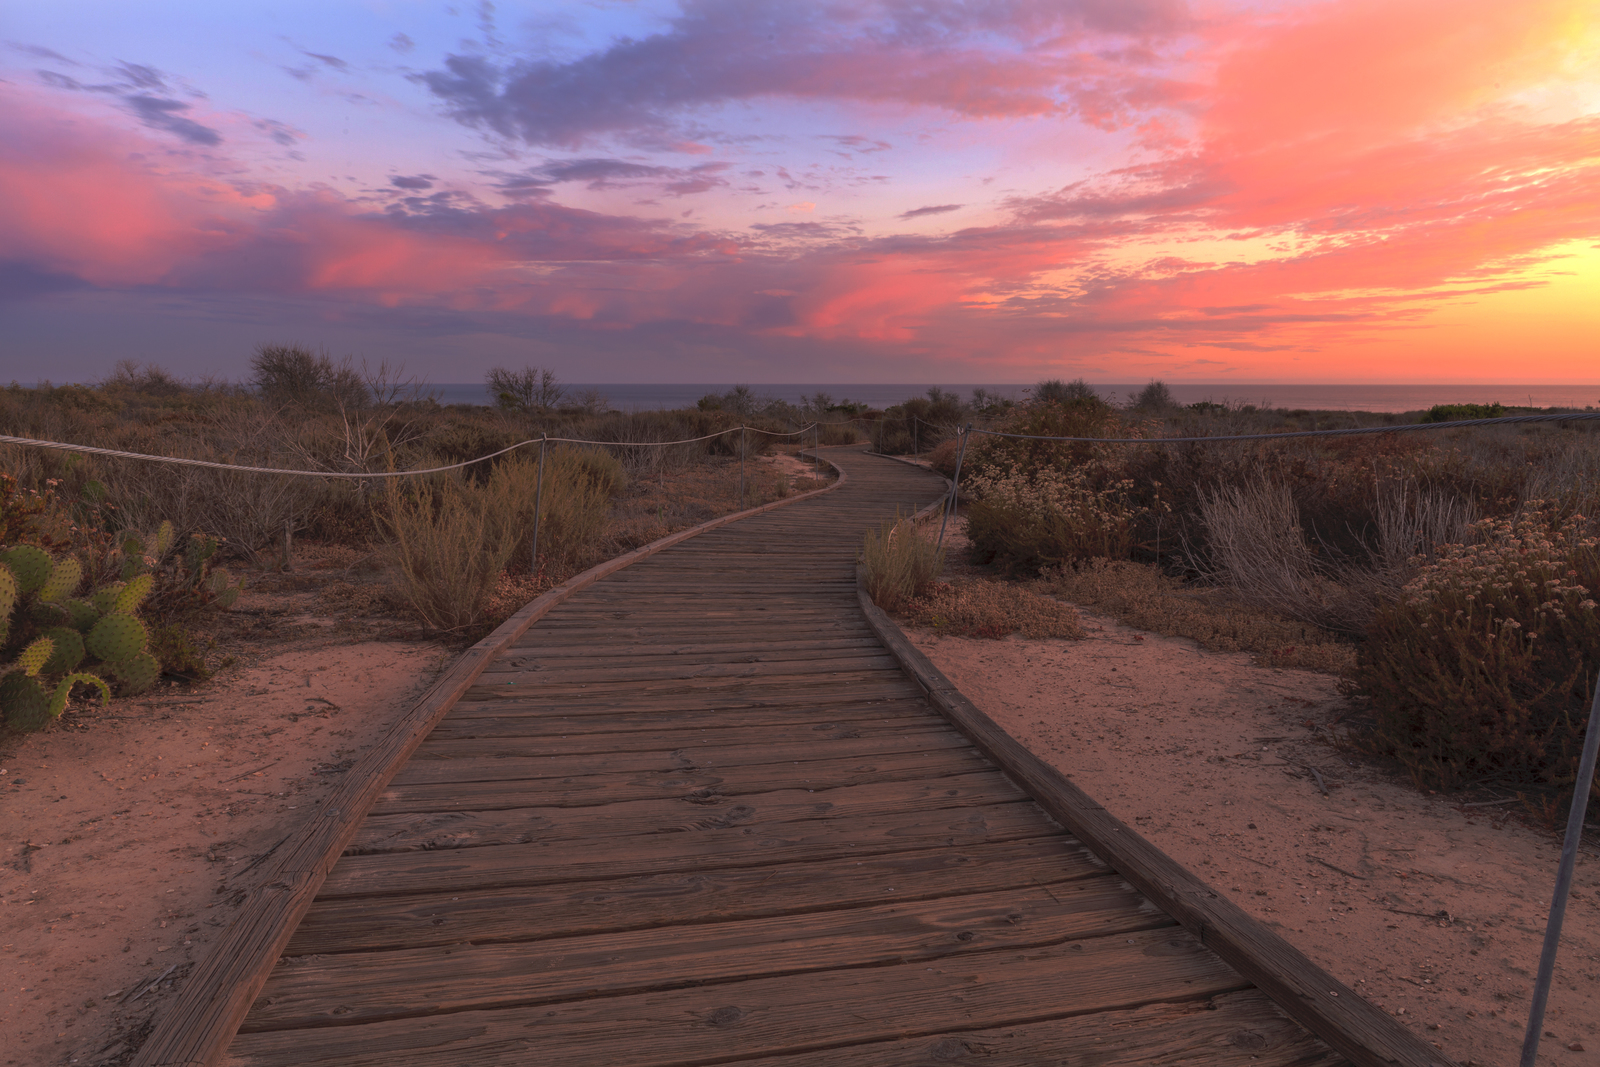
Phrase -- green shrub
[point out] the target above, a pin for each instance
(1485, 668)
(1462, 412)
(898, 563)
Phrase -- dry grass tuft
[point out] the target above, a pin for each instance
(1141, 596)
(898, 563)
(985, 607)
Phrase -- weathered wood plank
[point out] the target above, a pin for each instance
(770, 1016)
(1228, 1030)
(363, 987)
(686, 813)
(496, 866)
(565, 721)
(526, 768)
(572, 908)
(584, 789)
(785, 740)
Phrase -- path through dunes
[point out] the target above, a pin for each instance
(699, 814)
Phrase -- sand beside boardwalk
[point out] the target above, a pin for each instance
(1433, 911)
(126, 843)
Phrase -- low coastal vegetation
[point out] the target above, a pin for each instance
(88, 538)
(1448, 576)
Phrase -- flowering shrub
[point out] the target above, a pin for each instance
(1486, 665)
(1051, 515)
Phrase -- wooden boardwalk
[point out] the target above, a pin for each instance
(699, 814)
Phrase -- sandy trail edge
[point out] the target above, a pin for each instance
(1432, 911)
(124, 843)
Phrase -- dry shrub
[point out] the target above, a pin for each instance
(1140, 595)
(899, 563)
(1049, 516)
(578, 487)
(1259, 549)
(839, 433)
(943, 456)
(985, 607)
(449, 546)
(1485, 668)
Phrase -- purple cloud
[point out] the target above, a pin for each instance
(1017, 58)
(932, 209)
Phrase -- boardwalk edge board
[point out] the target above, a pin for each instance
(1312, 997)
(196, 1029)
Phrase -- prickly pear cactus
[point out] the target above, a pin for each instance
(58, 699)
(116, 638)
(31, 565)
(137, 674)
(133, 594)
(81, 615)
(104, 600)
(9, 592)
(35, 656)
(65, 574)
(68, 651)
(23, 702)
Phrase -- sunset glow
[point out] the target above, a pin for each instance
(763, 190)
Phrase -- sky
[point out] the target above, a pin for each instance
(785, 191)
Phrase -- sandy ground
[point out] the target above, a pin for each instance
(1432, 910)
(129, 835)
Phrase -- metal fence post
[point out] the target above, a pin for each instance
(538, 500)
(741, 464)
(955, 483)
(1558, 900)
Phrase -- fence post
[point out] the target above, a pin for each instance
(741, 464)
(288, 543)
(915, 451)
(816, 455)
(955, 483)
(1558, 900)
(538, 500)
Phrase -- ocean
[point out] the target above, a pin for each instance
(1392, 398)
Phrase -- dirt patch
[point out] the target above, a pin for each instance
(130, 835)
(1432, 910)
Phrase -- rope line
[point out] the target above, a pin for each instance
(1576, 416)
(180, 461)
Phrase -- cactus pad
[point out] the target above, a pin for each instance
(8, 592)
(105, 598)
(81, 615)
(226, 598)
(23, 702)
(133, 594)
(161, 543)
(36, 655)
(68, 651)
(137, 674)
(30, 564)
(58, 699)
(63, 581)
(201, 548)
(116, 638)
(47, 614)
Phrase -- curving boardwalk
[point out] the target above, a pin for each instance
(698, 814)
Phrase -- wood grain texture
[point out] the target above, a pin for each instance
(1320, 1002)
(196, 1026)
(772, 1016)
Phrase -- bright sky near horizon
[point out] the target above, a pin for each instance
(777, 190)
